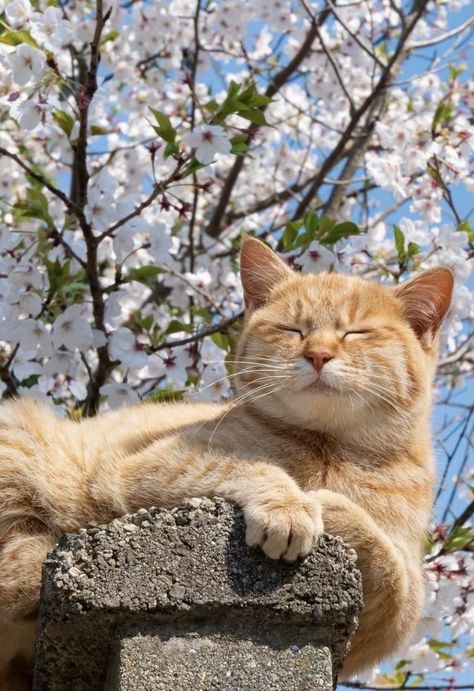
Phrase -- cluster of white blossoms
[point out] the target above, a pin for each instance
(139, 142)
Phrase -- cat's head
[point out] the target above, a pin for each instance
(331, 351)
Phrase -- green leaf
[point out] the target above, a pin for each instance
(455, 71)
(76, 287)
(443, 113)
(97, 130)
(433, 172)
(251, 97)
(145, 274)
(222, 341)
(437, 645)
(165, 129)
(399, 242)
(460, 538)
(77, 414)
(466, 227)
(147, 322)
(400, 664)
(304, 239)
(212, 106)
(245, 101)
(58, 274)
(111, 36)
(194, 166)
(259, 100)
(166, 395)
(171, 149)
(311, 222)
(239, 144)
(340, 231)
(253, 114)
(30, 381)
(239, 149)
(399, 677)
(176, 326)
(412, 250)
(290, 234)
(15, 38)
(326, 224)
(405, 254)
(64, 120)
(35, 206)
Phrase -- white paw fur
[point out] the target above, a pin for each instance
(285, 528)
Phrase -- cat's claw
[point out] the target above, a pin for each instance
(284, 528)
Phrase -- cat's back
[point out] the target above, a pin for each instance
(25, 423)
(120, 432)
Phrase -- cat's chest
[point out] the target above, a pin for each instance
(332, 467)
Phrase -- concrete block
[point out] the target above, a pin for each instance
(175, 600)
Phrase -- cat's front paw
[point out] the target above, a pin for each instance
(284, 527)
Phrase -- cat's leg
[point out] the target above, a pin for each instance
(21, 559)
(280, 517)
(17, 641)
(392, 590)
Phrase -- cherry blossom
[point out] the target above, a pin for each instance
(18, 12)
(27, 63)
(72, 330)
(123, 200)
(317, 258)
(33, 338)
(50, 29)
(208, 140)
(123, 347)
(119, 395)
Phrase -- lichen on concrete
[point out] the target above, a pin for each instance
(176, 600)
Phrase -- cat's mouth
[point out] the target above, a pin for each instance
(320, 386)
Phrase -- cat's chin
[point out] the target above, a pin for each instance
(318, 386)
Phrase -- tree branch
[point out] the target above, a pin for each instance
(417, 10)
(158, 189)
(218, 328)
(214, 226)
(443, 37)
(360, 43)
(330, 58)
(457, 356)
(84, 96)
(44, 181)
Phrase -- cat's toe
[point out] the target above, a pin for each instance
(285, 531)
(276, 543)
(255, 534)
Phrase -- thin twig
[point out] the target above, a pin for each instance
(353, 35)
(214, 226)
(217, 328)
(335, 155)
(443, 37)
(41, 179)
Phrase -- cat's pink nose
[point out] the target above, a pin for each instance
(318, 358)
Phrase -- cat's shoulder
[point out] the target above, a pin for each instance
(17, 409)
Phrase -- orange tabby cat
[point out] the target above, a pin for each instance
(330, 431)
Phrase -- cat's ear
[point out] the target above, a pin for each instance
(426, 300)
(260, 271)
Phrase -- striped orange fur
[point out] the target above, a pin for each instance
(346, 450)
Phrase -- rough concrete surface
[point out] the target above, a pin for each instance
(175, 600)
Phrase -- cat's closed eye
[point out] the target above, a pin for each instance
(355, 333)
(291, 329)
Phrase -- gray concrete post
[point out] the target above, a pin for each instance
(175, 600)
